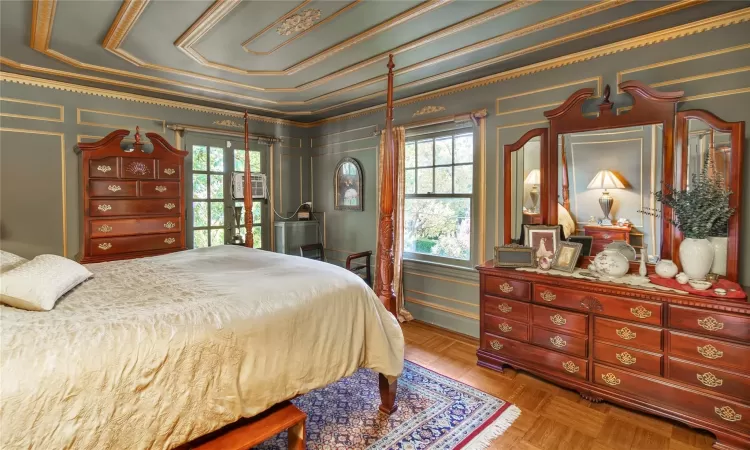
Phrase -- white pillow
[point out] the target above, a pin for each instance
(567, 222)
(38, 284)
(9, 261)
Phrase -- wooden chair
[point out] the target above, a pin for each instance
(358, 268)
(312, 251)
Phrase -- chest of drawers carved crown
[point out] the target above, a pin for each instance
(133, 197)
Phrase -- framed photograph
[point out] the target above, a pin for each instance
(348, 188)
(544, 239)
(514, 255)
(566, 256)
(586, 241)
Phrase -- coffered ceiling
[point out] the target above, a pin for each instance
(310, 59)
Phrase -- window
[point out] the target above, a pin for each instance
(213, 205)
(439, 174)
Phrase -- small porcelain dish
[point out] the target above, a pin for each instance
(699, 284)
(623, 248)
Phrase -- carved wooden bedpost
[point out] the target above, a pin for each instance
(248, 194)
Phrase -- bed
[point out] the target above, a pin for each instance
(155, 352)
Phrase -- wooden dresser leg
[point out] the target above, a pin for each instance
(297, 436)
(387, 394)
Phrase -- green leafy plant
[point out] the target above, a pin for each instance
(701, 210)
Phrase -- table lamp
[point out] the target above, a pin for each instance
(533, 178)
(605, 179)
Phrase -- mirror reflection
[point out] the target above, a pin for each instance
(605, 179)
(526, 186)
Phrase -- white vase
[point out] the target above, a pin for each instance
(719, 265)
(696, 257)
(612, 263)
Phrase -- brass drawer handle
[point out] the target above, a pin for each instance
(105, 246)
(710, 352)
(496, 345)
(114, 188)
(160, 188)
(710, 324)
(557, 319)
(169, 171)
(625, 333)
(169, 225)
(606, 236)
(504, 327)
(610, 379)
(169, 206)
(558, 342)
(505, 287)
(728, 414)
(104, 208)
(104, 169)
(547, 296)
(169, 240)
(640, 312)
(570, 367)
(105, 228)
(505, 308)
(709, 379)
(625, 358)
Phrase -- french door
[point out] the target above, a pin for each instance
(210, 208)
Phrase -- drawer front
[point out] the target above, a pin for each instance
(169, 171)
(609, 235)
(556, 362)
(706, 322)
(709, 378)
(128, 227)
(112, 188)
(103, 208)
(505, 327)
(103, 168)
(506, 308)
(129, 244)
(558, 297)
(624, 333)
(141, 168)
(627, 357)
(709, 351)
(575, 345)
(505, 287)
(599, 246)
(656, 391)
(558, 319)
(159, 188)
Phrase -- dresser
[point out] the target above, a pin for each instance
(603, 235)
(679, 356)
(133, 198)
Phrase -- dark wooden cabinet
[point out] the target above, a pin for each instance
(133, 200)
(604, 235)
(683, 357)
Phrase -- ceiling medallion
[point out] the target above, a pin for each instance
(429, 110)
(298, 22)
(228, 123)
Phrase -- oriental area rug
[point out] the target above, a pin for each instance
(434, 412)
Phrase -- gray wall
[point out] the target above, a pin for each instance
(40, 209)
(449, 297)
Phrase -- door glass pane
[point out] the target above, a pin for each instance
(216, 159)
(200, 214)
(217, 237)
(200, 158)
(257, 237)
(444, 151)
(200, 238)
(239, 160)
(443, 180)
(255, 162)
(217, 187)
(200, 188)
(409, 157)
(410, 181)
(463, 179)
(424, 181)
(242, 216)
(424, 153)
(464, 148)
(256, 213)
(217, 213)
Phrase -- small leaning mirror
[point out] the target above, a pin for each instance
(524, 190)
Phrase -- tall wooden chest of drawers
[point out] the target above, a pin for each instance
(133, 199)
(683, 357)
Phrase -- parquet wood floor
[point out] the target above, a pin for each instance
(552, 418)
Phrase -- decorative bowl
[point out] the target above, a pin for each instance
(720, 291)
(611, 262)
(682, 278)
(699, 285)
(624, 248)
(666, 268)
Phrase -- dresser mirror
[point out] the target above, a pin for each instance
(524, 183)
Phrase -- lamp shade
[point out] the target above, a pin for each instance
(605, 179)
(534, 177)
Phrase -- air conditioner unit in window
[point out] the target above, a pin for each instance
(257, 184)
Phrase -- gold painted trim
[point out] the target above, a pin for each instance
(42, 16)
(609, 133)
(264, 30)
(482, 238)
(428, 110)
(79, 121)
(345, 142)
(290, 138)
(63, 188)
(442, 297)
(312, 145)
(61, 109)
(522, 124)
(451, 280)
(442, 308)
(715, 94)
(344, 151)
(598, 80)
(129, 13)
(703, 76)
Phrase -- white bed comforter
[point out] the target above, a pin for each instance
(154, 352)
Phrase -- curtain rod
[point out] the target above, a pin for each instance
(257, 137)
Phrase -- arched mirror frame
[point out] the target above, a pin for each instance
(508, 151)
(650, 107)
(737, 132)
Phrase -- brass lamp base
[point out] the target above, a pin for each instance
(605, 202)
